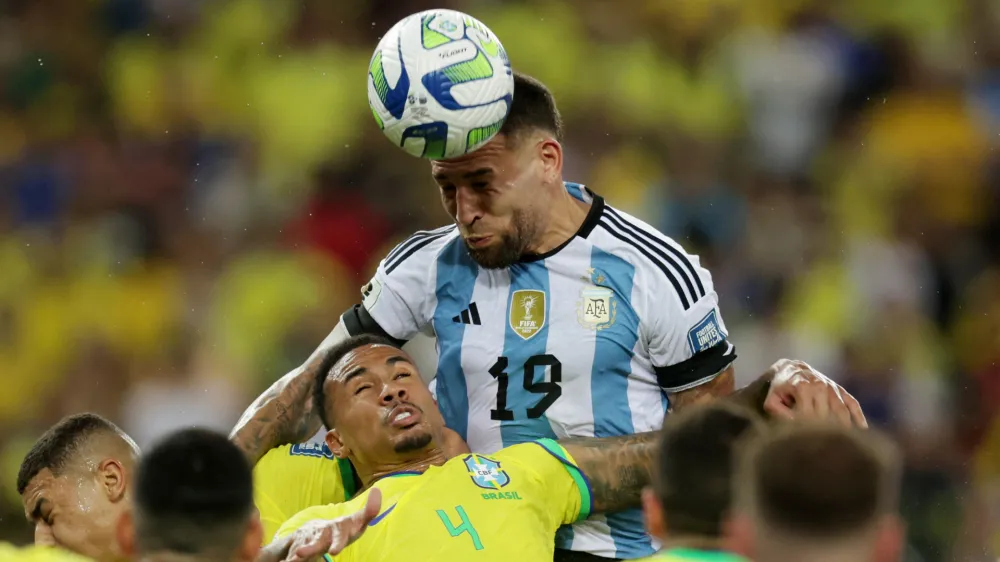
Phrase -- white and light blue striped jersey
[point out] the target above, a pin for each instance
(587, 340)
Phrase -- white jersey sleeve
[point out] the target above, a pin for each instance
(399, 301)
(687, 339)
(681, 326)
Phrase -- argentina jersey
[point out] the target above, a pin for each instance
(587, 340)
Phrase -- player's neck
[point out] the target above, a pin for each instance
(566, 216)
(433, 457)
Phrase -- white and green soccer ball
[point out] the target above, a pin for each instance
(440, 84)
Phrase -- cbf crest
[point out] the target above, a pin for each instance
(527, 312)
(598, 306)
(486, 473)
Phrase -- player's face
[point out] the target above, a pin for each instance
(491, 194)
(382, 409)
(73, 511)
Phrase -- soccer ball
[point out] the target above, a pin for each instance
(440, 84)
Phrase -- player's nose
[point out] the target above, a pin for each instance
(466, 206)
(393, 392)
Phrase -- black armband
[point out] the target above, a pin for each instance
(701, 366)
(358, 321)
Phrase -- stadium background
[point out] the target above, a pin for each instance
(191, 191)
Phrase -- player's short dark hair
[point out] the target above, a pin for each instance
(820, 481)
(533, 108)
(696, 464)
(193, 494)
(60, 444)
(332, 356)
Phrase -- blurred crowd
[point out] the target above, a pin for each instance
(192, 191)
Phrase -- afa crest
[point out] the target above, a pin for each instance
(598, 306)
(486, 473)
(527, 312)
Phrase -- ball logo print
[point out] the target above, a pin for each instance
(440, 84)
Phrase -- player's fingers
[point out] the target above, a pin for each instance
(775, 407)
(372, 505)
(318, 544)
(841, 413)
(820, 401)
(857, 416)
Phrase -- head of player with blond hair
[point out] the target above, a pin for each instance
(74, 485)
(193, 502)
(819, 493)
(692, 487)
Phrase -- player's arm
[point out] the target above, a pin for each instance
(396, 304)
(617, 468)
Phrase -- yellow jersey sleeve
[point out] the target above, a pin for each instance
(565, 491)
(292, 478)
(10, 553)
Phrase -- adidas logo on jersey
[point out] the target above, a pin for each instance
(469, 316)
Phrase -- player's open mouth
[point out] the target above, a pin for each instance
(404, 416)
(478, 241)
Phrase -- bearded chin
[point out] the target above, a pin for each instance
(511, 248)
(413, 442)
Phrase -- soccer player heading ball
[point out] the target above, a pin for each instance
(556, 315)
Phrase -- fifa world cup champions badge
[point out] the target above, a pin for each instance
(527, 312)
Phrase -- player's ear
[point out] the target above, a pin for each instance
(890, 540)
(336, 444)
(652, 511)
(253, 539)
(738, 534)
(125, 534)
(111, 478)
(550, 153)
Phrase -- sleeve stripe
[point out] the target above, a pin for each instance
(419, 235)
(583, 485)
(685, 302)
(414, 246)
(681, 259)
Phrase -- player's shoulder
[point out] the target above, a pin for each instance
(419, 248)
(37, 554)
(662, 262)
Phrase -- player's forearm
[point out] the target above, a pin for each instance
(724, 386)
(617, 467)
(284, 413)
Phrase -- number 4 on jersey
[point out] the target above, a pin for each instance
(550, 389)
(465, 526)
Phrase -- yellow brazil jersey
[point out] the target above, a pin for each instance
(501, 507)
(10, 553)
(294, 477)
(693, 555)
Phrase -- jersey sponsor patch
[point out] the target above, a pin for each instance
(706, 333)
(318, 450)
(527, 312)
(370, 293)
(486, 473)
(597, 306)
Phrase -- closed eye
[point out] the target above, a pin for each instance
(401, 375)
(362, 388)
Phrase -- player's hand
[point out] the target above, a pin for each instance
(316, 538)
(800, 392)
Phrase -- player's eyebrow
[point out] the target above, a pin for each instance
(396, 359)
(443, 176)
(355, 373)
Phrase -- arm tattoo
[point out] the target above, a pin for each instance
(617, 467)
(283, 414)
(751, 396)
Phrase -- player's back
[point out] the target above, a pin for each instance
(502, 507)
(10, 553)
